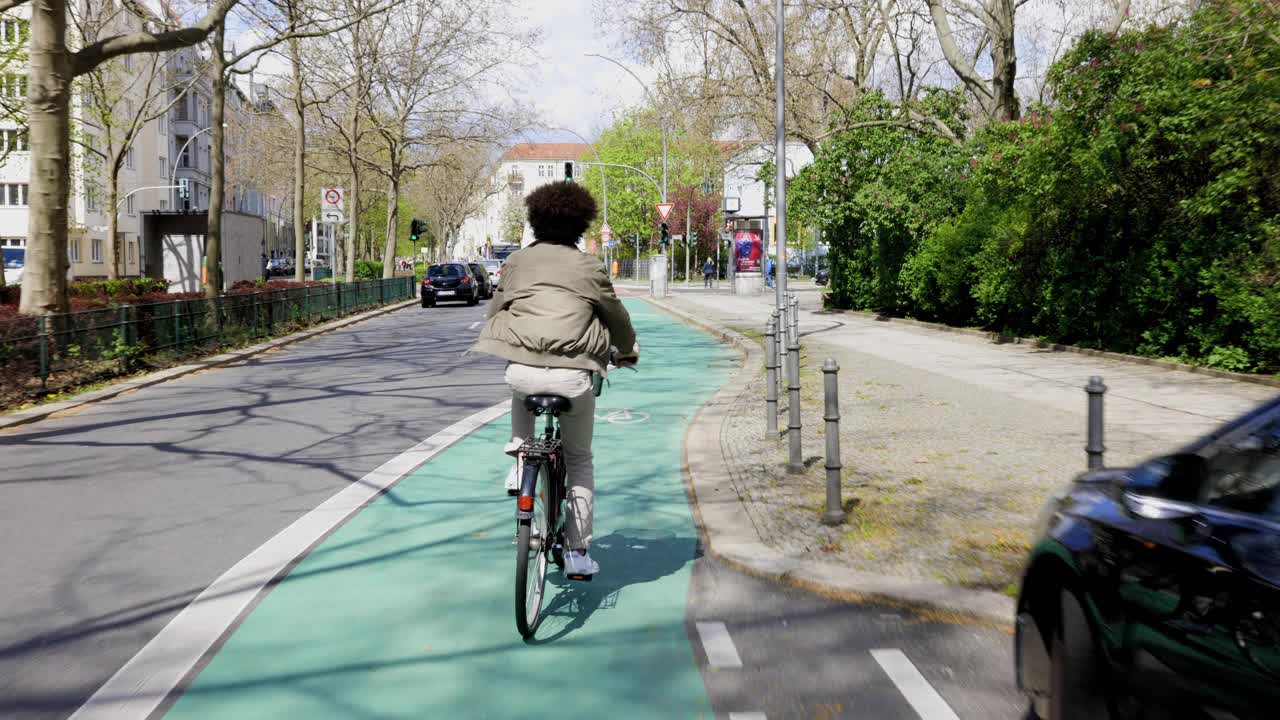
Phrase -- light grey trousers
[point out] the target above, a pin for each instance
(576, 427)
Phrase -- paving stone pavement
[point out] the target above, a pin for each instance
(950, 443)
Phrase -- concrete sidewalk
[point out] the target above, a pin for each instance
(950, 445)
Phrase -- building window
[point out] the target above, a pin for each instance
(164, 204)
(184, 160)
(13, 31)
(90, 199)
(13, 85)
(128, 64)
(128, 204)
(164, 123)
(128, 157)
(540, 171)
(164, 168)
(128, 252)
(180, 107)
(15, 140)
(96, 246)
(13, 194)
(73, 249)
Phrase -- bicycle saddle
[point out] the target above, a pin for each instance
(554, 404)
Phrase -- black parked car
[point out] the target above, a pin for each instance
(482, 279)
(449, 281)
(820, 277)
(1154, 591)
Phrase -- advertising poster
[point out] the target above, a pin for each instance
(748, 250)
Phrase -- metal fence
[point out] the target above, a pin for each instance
(97, 342)
(627, 269)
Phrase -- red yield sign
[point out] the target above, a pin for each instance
(664, 210)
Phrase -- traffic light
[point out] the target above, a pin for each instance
(666, 236)
(416, 228)
(568, 172)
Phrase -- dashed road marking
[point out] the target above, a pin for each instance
(747, 716)
(719, 646)
(476, 324)
(926, 701)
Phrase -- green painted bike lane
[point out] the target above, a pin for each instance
(406, 611)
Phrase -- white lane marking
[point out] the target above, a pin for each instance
(719, 646)
(476, 324)
(747, 716)
(150, 676)
(926, 701)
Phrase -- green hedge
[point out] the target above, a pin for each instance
(1139, 213)
(368, 270)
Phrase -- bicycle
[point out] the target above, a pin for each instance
(541, 505)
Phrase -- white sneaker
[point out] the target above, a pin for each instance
(579, 567)
(513, 480)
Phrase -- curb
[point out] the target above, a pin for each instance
(1002, 339)
(41, 412)
(717, 508)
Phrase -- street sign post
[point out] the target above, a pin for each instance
(664, 210)
(606, 234)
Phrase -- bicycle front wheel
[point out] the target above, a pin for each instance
(532, 544)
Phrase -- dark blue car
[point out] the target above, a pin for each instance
(1154, 591)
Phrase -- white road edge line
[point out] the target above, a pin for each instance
(476, 324)
(926, 701)
(719, 646)
(143, 683)
(747, 716)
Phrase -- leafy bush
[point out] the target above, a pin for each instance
(1138, 213)
(368, 270)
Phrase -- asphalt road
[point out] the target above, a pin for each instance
(113, 519)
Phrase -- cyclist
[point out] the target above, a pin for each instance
(554, 319)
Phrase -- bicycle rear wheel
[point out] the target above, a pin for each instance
(532, 548)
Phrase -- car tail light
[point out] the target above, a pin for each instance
(466, 281)
(426, 282)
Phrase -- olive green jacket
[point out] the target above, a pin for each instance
(555, 308)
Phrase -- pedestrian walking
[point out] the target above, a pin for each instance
(708, 269)
(768, 272)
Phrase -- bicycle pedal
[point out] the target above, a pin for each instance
(580, 578)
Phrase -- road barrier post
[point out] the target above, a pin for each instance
(795, 316)
(835, 514)
(1094, 447)
(771, 373)
(795, 462)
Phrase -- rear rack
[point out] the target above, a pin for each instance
(540, 446)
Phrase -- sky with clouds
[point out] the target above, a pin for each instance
(564, 86)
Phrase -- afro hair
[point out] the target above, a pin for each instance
(560, 212)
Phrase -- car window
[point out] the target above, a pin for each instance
(1244, 470)
(445, 271)
(477, 269)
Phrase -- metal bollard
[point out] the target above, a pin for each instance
(795, 463)
(795, 315)
(780, 353)
(835, 514)
(1094, 447)
(771, 372)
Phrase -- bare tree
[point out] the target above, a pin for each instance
(121, 97)
(455, 188)
(52, 68)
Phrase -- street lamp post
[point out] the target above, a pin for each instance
(662, 120)
(173, 176)
(780, 184)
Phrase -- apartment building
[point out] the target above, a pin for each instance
(171, 94)
(523, 168)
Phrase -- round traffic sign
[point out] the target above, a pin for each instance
(332, 196)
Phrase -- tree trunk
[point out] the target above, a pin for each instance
(393, 224)
(299, 163)
(44, 282)
(1004, 60)
(217, 172)
(113, 218)
(353, 135)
